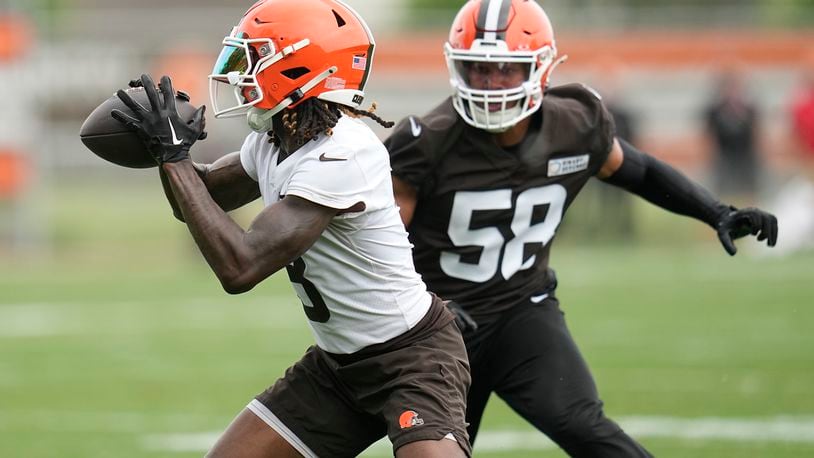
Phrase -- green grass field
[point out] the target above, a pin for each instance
(118, 342)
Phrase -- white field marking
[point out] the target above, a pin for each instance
(98, 422)
(179, 443)
(68, 318)
(799, 429)
(35, 320)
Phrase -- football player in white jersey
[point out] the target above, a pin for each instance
(389, 358)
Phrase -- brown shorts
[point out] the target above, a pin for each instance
(411, 388)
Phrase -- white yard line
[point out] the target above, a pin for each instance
(36, 320)
(68, 319)
(774, 429)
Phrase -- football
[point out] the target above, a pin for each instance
(113, 141)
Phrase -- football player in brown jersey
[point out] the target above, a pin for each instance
(483, 181)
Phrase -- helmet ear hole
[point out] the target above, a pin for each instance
(339, 21)
(296, 72)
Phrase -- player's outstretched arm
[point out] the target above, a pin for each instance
(668, 188)
(281, 233)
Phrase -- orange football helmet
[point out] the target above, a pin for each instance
(500, 32)
(285, 51)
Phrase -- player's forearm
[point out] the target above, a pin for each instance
(665, 186)
(225, 180)
(219, 238)
(228, 183)
(168, 193)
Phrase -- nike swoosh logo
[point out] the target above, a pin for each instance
(324, 158)
(175, 140)
(415, 127)
(538, 299)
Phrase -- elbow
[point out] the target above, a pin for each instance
(236, 282)
(235, 289)
(243, 272)
(236, 286)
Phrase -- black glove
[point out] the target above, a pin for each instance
(166, 135)
(462, 319)
(747, 221)
(183, 95)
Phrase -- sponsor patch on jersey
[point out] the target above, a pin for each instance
(359, 62)
(566, 165)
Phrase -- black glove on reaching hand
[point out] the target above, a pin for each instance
(166, 135)
(747, 221)
(462, 319)
(183, 95)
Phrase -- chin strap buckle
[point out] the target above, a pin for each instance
(296, 96)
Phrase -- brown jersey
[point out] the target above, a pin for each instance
(486, 216)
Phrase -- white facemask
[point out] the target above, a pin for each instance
(499, 121)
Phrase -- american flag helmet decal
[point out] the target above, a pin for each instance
(359, 62)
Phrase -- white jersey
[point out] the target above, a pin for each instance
(357, 282)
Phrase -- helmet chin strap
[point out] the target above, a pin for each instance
(260, 120)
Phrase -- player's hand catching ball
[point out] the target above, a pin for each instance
(166, 135)
(743, 222)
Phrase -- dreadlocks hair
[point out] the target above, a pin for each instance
(370, 113)
(313, 117)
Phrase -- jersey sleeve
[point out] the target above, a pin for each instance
(418, 144)
(339, 178)
(588, 122)
(248, 155)
(409, 158)
(605, 135)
